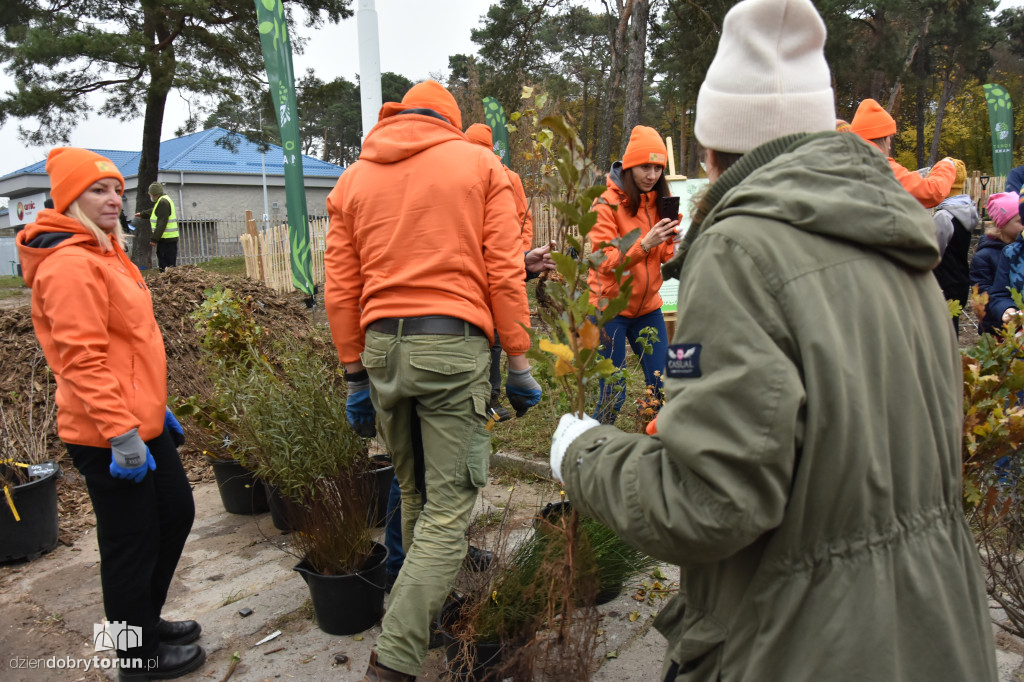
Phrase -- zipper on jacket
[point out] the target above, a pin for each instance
(647, 275)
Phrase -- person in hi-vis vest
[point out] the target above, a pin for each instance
(163, 220)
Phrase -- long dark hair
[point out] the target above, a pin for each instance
(633, 192)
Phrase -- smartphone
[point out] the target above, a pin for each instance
(668, 207)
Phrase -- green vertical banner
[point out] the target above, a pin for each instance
(494, 116)
(1000, 119)
(277, 54)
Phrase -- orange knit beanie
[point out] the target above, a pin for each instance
(432, 95)
(72, 170)
(645, 146)
(872, 121)
(481, 134)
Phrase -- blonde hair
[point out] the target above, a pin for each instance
(75, 211)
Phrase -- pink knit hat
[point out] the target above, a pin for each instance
(1003, 207)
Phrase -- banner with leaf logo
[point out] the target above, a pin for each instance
(1000, 119)
(494, 116)
(277, 54)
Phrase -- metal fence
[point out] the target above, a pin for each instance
(8, 256)
(203, 238)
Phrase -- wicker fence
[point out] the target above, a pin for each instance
(268, 252)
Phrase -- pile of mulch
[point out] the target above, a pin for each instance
(177, 293)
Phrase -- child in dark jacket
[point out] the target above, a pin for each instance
(1008, 272)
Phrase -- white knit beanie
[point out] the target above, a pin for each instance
(769, 77)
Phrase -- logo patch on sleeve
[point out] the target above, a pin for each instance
(683, 361)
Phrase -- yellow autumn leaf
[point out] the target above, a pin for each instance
(590, 335)
(633, 616)
(560, 350)
(562, 368)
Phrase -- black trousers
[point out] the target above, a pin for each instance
(141, 530)
(166, 253)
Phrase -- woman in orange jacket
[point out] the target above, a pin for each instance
(631, 203)
(93, 316)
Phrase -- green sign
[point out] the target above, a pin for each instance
(1000, 119)
(494, 116)
(277, 54)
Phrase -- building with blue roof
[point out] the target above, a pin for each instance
(213, 175)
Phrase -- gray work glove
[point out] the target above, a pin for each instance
(522, 390)
(130, 457)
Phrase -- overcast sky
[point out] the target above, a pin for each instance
(416, 39)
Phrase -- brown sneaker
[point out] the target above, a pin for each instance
(376, 672)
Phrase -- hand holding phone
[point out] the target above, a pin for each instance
(668, 207)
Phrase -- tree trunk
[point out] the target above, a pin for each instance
(947, 94)
(683, 142)
(161, 77)
(919, 113)
(634, 98)
(611, 95)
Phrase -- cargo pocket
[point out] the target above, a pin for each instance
(373, 358)
(479, 453)
(442, 362)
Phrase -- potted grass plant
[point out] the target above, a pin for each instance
(28, 477)
(532, 614)
(292, 431)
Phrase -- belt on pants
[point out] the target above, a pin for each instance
(430, 324)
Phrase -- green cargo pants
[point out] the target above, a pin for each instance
(431, 394)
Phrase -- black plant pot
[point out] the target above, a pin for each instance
(34, 531)
(278, 507)
(382, 477)
(348, 604)
(467, 661)
(240, 492)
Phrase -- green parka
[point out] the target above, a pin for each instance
(806, 473)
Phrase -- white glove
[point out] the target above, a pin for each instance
(570, 427)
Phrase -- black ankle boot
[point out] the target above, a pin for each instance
(171, 661)
(178, 631)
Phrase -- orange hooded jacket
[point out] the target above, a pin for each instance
(93, 316)
(525, 219)
(614, 221)
(930, 190)
(419, 226)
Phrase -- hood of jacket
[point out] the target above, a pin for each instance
(51, 231)
(405, 134)
(830, 184)
(987, 242)
(614, 180)
(962, 208)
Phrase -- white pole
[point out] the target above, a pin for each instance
(369, 63)
(263, 165)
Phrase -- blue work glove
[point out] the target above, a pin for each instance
(522, 390)
(129, 457)
(358, 407)
(172, 425)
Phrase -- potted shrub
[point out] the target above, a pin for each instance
(28, 478)
(230, 342)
